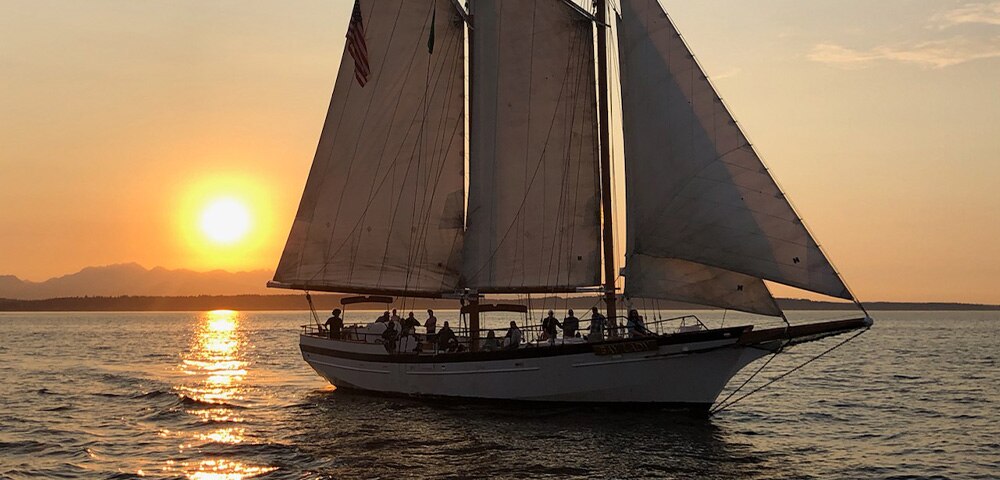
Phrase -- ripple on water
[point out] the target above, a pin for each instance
(225, 395)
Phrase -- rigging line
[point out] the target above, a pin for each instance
(394, 198)
(568, 109)
(421, 147)
(431, 193)
(557, 243)
(377, 83)
(312, 308)
(373, 192)
(416, 252)
(752, 376)
(721, 407)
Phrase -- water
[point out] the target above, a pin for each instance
(225, 395)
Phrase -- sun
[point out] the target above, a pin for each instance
(225, 221)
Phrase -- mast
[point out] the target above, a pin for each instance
(607, 203)
(474, 298)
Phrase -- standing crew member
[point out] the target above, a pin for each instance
(431, 323)
(334, 324)
(597, 322)
(550, 326)
(570, 325)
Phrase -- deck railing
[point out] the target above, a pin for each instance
(532, 335)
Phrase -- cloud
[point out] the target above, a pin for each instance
(928, 54)
(986, 13)
(972, 37)
(733, 72)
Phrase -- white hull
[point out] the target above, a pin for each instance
(691, 373)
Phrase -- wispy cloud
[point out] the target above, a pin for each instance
(732, 72)
(985, 13)
(929, 54)
(964, 43)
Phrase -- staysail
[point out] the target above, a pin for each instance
(699, 197)
(684, 281)
(534, 186)
(383, 205)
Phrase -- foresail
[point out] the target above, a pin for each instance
(696, 189)
(383, 205)
(534, 218)
(684, 281)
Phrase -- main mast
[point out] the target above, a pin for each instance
(607, 202)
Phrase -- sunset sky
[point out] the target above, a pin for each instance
(123, 123)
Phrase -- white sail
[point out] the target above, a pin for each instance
(696, 189)
(383, 205)
(681, 280)
(534, 211)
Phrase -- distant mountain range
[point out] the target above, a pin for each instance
(132, 287)
(133, 279)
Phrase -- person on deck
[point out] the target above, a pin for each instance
(430, 324)
(491, 344)
(636, 326)
(334, 324)
(512, 339)
(410, 324)
(396, 321)
(384, 318)
(447, 341)
(570, 325)
(611, 326)
(389, 337)
(597, 324)
(550, 326)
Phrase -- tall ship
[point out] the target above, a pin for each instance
(484, 153)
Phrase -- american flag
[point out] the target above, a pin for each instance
(357, 47)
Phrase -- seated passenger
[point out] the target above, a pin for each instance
(512, 339)
(446, 339)
(491, 344)
(636, 326)
(597, 321)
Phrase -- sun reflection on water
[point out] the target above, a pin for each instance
(217, 365)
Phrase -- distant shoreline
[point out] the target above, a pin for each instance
(326, 302)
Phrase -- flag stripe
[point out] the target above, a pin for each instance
(357, 47)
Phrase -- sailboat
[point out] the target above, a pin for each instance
(467, 155)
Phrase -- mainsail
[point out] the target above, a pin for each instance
(534, 213)
(699, 198)
(383, 205)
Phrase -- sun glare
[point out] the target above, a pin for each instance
(225, 220)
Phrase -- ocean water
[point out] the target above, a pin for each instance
(225, 395)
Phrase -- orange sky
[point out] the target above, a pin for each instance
(121, 120)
